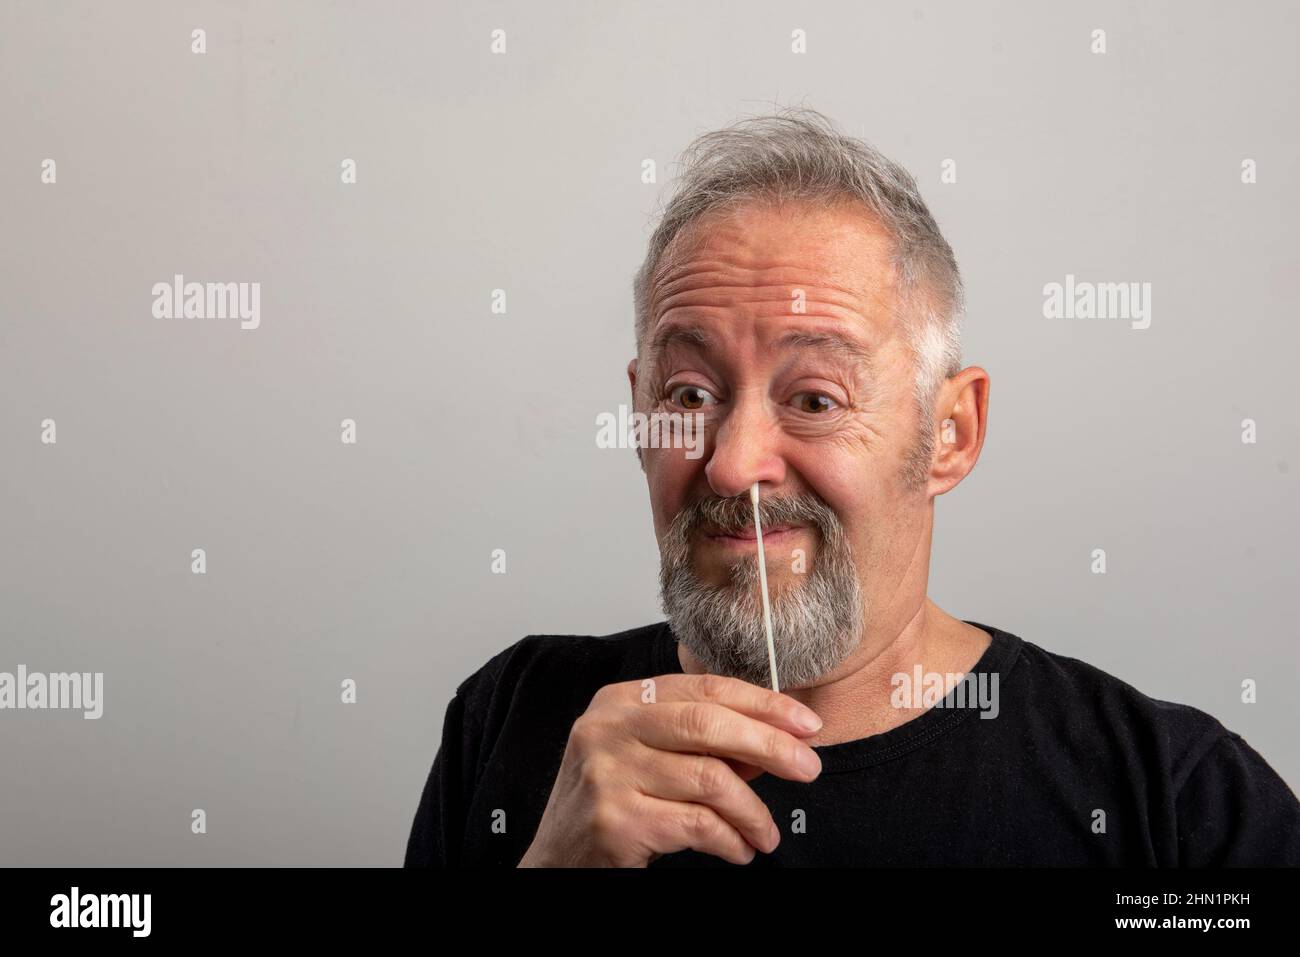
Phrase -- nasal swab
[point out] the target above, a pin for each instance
(762, 580)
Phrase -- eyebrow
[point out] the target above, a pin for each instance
(673, 335)
(840, 345)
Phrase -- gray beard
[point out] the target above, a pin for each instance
(816, 619)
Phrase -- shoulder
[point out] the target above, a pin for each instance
(1228, 806)
(1180, 732)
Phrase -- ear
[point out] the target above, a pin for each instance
(962, 410)
(631, 379)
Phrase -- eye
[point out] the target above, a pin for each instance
(691, 397)
(814, 402)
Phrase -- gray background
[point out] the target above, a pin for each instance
(476, 431)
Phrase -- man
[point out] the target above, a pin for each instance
(800, 302)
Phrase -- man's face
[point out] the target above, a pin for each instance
(778, 325)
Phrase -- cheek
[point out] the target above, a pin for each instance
(669, 475)
(864, 494)
(858, 488)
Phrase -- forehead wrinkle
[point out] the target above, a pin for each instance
(852, 261)
(685, 287)
(695, 292)
(718, 288)
(686, 329)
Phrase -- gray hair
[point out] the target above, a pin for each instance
(797, 153)
(816, 623)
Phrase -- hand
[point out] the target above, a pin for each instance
(642, 779)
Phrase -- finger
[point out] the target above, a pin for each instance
(702, 779)
(701, 727)
(757, 702)
(746, 772)
(673, 826)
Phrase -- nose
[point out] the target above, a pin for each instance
(746, 449)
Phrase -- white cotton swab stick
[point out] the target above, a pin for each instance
(762, 579)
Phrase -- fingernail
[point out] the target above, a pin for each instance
(808, 720)
(809, 763)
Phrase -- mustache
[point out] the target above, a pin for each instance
(735, 514)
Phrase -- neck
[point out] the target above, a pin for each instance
(854, 700)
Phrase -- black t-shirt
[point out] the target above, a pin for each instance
(1077, 768)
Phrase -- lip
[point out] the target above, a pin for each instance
(748, 539)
